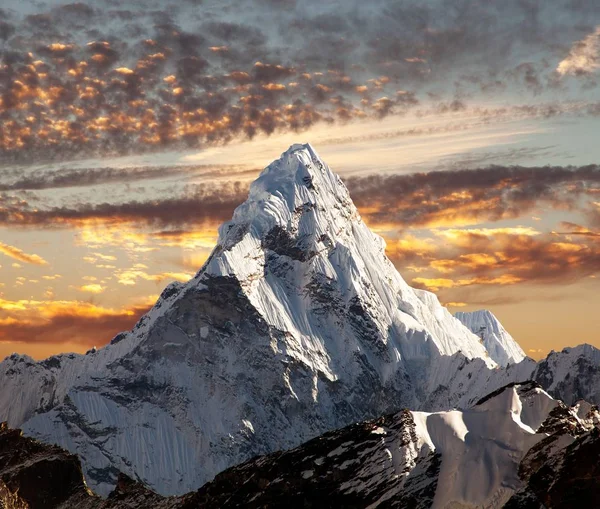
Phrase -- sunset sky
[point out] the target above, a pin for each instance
(468, 134)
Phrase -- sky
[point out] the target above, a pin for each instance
(466, 132)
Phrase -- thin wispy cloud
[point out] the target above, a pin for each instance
(18, 254)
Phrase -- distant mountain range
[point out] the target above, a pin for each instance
(297, 325)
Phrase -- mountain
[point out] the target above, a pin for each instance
(508, 450)
(501, 346)
(570, 375)
(516, 448)
(297, 324)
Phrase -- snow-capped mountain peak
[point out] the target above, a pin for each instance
(299, 229)
(499, 343)
(297, 324)
(297, 192)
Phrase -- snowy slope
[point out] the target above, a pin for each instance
(482, 447)
(571, 374)
(498, 342)
(485, 456)
(297, 324)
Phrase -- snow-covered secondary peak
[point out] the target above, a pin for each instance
(482, 447)
(499, 343)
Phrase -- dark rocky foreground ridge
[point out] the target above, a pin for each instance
(380, 463)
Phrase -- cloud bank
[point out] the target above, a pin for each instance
(106, 78)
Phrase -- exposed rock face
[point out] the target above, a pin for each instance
(562, 471)
(571, 374)
(374, 462)
(36, 475)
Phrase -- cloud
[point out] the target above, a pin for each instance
(187, 239)
(104, 257)
(456, 304)
(20, 255)
(46, 322)
(78, 80)
(421, 200)
(464, 197)
(436, 284)
(456, 233)
(86, 177)
(420, 207)
(92, 288)
(584, 57)
(130, 276)
(577, 229)
(52, 277)
(502, 256)
(200, 205)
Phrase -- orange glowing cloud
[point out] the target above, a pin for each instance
(20, 255)
(130, 276)
(469, 197)
(498, 256)
(58, 322)
(436, 284)
(92, 288)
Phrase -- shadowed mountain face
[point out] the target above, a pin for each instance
(504, 452)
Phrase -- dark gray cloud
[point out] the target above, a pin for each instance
(419, 200)
(486, 194)
(85, 177)
(199, 205)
